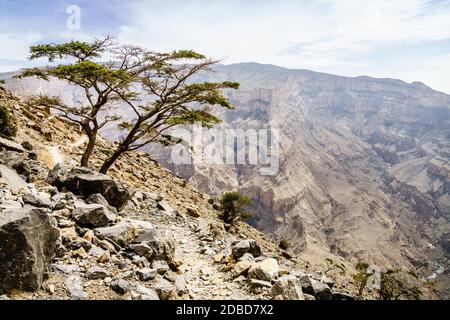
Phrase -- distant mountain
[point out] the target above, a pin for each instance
(364, 170)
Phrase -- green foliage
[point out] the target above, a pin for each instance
(284, 244)
(8, 127)
(132, 75)
(192, 117)
(187, 54)
(232, 206)
(394, 285)
(333, 266)
(361, 276)
(76, 49)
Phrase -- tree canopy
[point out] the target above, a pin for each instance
(157, 88)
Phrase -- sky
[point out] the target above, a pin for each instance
(401, 39)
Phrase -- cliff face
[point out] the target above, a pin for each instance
(138, 234)
(364, 167)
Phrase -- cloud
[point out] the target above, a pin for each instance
(324, 35)
(386, 38)
(16, 46)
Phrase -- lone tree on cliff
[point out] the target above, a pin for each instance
(174, 99)
(100, 82)
(156, 87)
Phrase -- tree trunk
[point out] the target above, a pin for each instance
(110, 161)
(89, 149)
(122, 148)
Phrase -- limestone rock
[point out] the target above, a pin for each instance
(288, 287)
(165, 290)
(321, 290)
(246, 246)
(84, 182)
(146, 274)
(122, 233)
(266, 270)
(93, 215)
(147, 294)
(161, 266)
(10, 145)
(36, 200)
(57, 175)
(13, 180)
(27, 246)
(97, 273)
(120, 286)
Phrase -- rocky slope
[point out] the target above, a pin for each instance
(364, 170)
(69, 233)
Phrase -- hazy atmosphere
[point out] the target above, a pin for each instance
(225, 152)
(405, 39)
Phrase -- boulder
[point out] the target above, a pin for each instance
(145, 231)
(305, 282)
(84, 182)
(11, 145)
(165, 290)
(146, 293)
(99, 199)
(93, 215)
(164, 205)
(266, 270)
(247, 257)
(142, 250)
(146, 274)
(321, 290)
(57, 175)
(97, 273)
(255, 283)
(120, 286)
(339, 295)
(37, 200)
(246, 246)
(13, 180)
(27, 246)
(180, 285)
(161, 266)
(66, 268)
(122, 233)
(74, 287)
(288, 287)
(241, 267)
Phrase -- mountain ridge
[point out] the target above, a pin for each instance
(365, 162)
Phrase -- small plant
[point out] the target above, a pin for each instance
(233, 207)
(284, 244)
(331, 266)
(361, 277)
(395, 286)
(8, 127)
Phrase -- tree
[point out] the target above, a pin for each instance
(233, 205)
(8, 127)
(331, 266)
(103, 83)
(284, 244)
(361, 277)
(173, 99)
(395, 285)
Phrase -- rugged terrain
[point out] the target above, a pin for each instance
(364, 170)
(69, 233)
